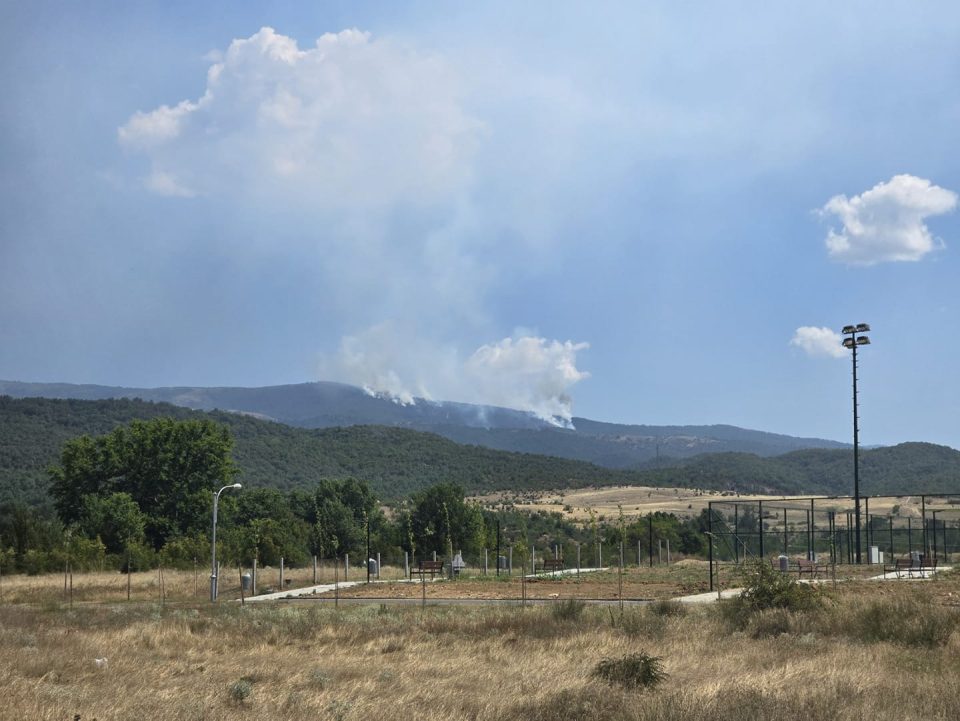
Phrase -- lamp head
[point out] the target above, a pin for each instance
(848, 329)
(863, 327)
(863, 340)
(236, 485)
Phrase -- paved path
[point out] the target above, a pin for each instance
(295, 594)
(320, 588)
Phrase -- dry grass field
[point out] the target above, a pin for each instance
(639, 500)
(875, 651)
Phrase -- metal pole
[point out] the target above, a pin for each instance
(498, 546)
(213, 551)
(367, 560)
(813, 530)
(736, 533)
(709, 540)
(923, 516)
(784, 531)
(760, 523)
(650, 532)
(856, 449)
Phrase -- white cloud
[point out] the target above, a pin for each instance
(351, 122)
(886, 223)
(822, 342)
(523, 372)
(163, 183)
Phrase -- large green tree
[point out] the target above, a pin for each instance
(167, 467)
(442, 517)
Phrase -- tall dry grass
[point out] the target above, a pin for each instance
(376, 662)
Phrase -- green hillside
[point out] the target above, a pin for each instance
(907, 468)
(397, 461)
(394, 461)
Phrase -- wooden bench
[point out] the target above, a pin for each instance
(910, 567)
(551, 565)
(431, 567)
(811, 568)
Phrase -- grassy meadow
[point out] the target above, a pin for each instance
(869, 651)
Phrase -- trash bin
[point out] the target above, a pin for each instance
(246, 582)
(372, 566)
(784, 563)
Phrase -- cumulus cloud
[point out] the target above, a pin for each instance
(351, 121)
(887, 222)
(528, 373)
(818, 342)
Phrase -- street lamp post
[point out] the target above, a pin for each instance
(213, 543)
(851, 341)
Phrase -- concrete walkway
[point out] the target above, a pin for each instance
(565, 572)
(321, 588)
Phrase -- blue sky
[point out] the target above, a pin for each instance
(632, 213)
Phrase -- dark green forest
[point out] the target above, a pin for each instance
(396, 462)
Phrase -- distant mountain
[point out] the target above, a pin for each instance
(394, 461)
(398, 461)
(324, 405)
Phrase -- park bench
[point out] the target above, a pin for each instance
(909, 566)
(811, 568)
(431, 567)
(551, 565)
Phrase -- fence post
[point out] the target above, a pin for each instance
(378, 565)
(485, 561)
(510, 562)
(659, 551)
(406, 564)
(578, 561)
(253, 578)
(346, 566)
(314, 570)
(668, 551)
(281, 573)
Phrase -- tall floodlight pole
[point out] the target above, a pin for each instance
(851, 341)
(213, 543)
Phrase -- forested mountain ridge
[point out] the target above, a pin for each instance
(394, 461)
(324, 405)
(398, 461)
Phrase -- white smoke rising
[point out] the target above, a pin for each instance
(529, 373)
(886, 223)
(526, 373)
(822, 342)
(349, 123)
(366, 151)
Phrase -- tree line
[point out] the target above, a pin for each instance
(142, 495)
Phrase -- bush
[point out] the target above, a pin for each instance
(570, 609)
(667, 608)
(765, 588)
(240, 690)
(635, 670)
(909, 621)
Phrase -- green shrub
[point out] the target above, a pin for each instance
(667, 608)
(240, 690)
(569, 609)
(635, 670)
(909, 621)
(766, 588)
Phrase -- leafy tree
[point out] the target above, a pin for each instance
(441, 517)
(115, 519)
(169, 468)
